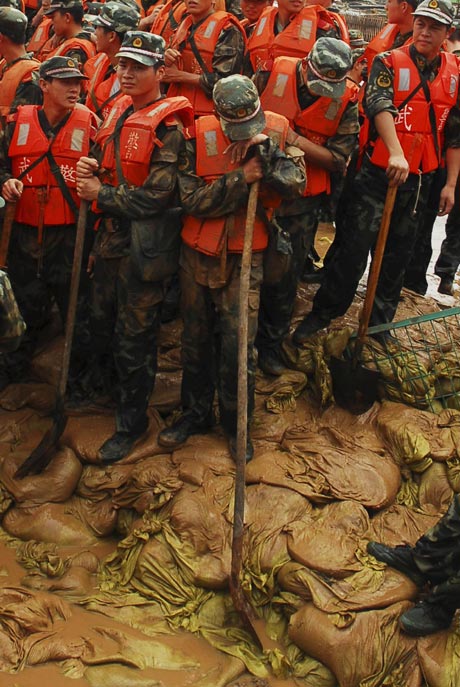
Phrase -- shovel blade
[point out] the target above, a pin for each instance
(355, 387)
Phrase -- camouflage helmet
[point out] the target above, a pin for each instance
(328, 64)
(143, 47)
(60, 67)
(117, 17)
(13, 24)
(440, 10)
(16, 4)
(238, 106)
(63, 6)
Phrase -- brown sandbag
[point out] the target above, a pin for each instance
(401, 525)
(37, 396)
(285, 412)
(359, 648)
(434, 488)
(46, 365)
(55, 484)
(49, 522)
(166, 392)
(439, 656)
(203, 455)
(328, 541)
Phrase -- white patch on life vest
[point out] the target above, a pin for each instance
(453, 85)
(38, 35)
(306, 26)
(280, 85)
(23, 133)
(210, 29)
(210, 142)
(99, 59)
(115, 87)
(76, 142)
(332, 110)
(261, 27)
(388, 29)
(404, 79)
(157, 108)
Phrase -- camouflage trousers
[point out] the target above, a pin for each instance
(358, 234)
(437, 555)
(210, 337)
(40, 276)
(125, 319)
(449, 257)
(277, 300)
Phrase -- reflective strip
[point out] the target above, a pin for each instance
(210, 29)
(305, 29)
(333, 110)
(387, 30)
(76, 142)
(157, 108)
(263, 21)
(280, 85)
(404, 79)
(38, 35)
(23, 133)
(210, 142)
(115, 87)
(453, 85)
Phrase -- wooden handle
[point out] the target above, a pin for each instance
(8, 220)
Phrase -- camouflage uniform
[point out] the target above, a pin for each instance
(12, 325)
(300, 218)
(364, 212)
(449, 258)
(210, 285)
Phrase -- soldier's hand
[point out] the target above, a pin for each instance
(446, 200)
(397, 170)
(171, 56)
(88, 187)
(12, 190)
(87, 167)
(252, 170)
(238, 149)
(90, 266)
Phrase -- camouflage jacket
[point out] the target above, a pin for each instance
(12, 326)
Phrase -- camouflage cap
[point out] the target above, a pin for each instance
(328, 64)
(117, 17)
(238, 106)
(60, 68)
(128, 3)
(17, 4)
(143, 47)
(63, 6)
(13, 24)
(440, 10)
(356, 39)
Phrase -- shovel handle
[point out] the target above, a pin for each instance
(376, 264)
(8, 220)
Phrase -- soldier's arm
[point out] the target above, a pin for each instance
(227, 59)
(452, 154)
(342, 144)
(136, 202)
(280, 171)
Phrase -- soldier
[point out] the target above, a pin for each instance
(111, 25)
(252, 9)
(42, 29)
(323, 113)
(288, 29)
(206, 47)
(449, 258)
(214, 180)
(18, 70)
(139, 145)
(396, 33)
(433, 560)
(12, 325)
(405, 151)
(69, 38)
(39, 150)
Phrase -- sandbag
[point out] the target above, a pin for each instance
(439, 656)
(37, 396)
(48, 522)
(401, 525)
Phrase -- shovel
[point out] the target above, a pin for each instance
(43, 453)
(355, 386)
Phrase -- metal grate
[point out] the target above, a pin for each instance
(363, 20)
(418, 360)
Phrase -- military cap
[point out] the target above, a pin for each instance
(328, 63)
(60, 68)
(238, 106)
(356, 39)
(116, 17)
(17, 4)
(63, 6)
(128, 3)
(143, 47)
(440, 10)
(13, 24)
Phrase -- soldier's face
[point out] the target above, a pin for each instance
(102, 38)
(137, 79)
(291, 6)
(252, 9)
(429, 35)
(198, 9)
(61, 92)
(396, 11)
(60, 23)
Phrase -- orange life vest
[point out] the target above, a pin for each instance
(30, 4)
(206, 37)
(11, 77)
(318, 122)
(67, 46)
(295, 40)
(382, 42)
(421, 146)
(137, 137)
(103, 93)
(168, 19)
(212, 235)
(29, 143)
(40, 36)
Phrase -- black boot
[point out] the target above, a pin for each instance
(310, 324)
(426, 617)
(232, 445)
(118, 446)
(270, 362)
(398, 557)
(187, 425)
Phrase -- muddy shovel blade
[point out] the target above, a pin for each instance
(355, 387)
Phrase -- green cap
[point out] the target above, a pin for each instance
(13, 24)
(60, 68)
(146, 48)
(440, 10)
(356, 39)
(63, 6)
(328, 64)
(117, 17)
(238, 106)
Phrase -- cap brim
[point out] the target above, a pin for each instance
(433, 14)
(143, 59)
(324, 88)
(66, 75)
(243, 131)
